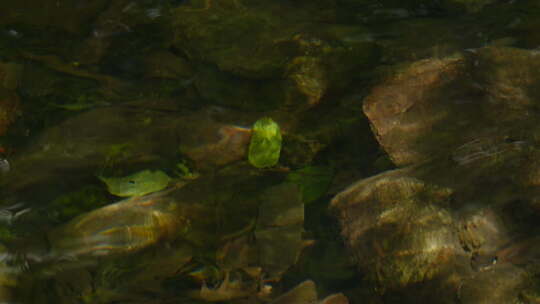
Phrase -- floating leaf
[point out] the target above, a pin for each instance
(265, 144)
(313, 181)
(138, 184)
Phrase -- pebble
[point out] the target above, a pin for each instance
(4, 165)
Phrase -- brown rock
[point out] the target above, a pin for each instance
(9, 108)
(408, 105)
(459, 219)
(10, 75)
(337, 298)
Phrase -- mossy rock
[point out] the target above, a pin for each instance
(227, 38)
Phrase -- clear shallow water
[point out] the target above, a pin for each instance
(111, 89)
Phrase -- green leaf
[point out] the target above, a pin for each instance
(265, 144)
(138, 184)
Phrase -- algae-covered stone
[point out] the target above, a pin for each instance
(265, 144)
(138, 184)
(226, 38)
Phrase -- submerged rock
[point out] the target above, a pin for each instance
(10, 74)
(140, 136)
(294, 64)
(279, 229)
(460, 216)
(407, 106)
(138, 241)
(123, 227)
(306, 293)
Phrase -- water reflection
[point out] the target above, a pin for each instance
(123, 227)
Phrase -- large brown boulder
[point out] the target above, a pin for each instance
(460, 216)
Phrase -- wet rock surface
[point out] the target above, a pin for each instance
(432, 224)
(137, 135)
